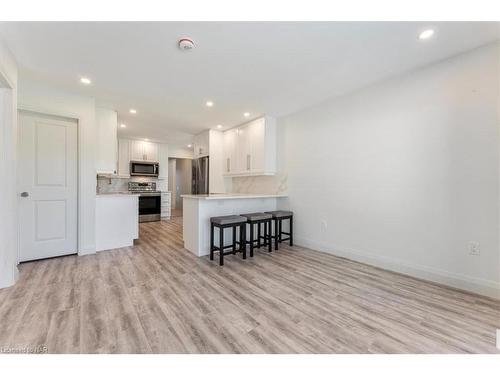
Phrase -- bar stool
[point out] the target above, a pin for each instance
(223, 222)
(278, 217)
(259, 218)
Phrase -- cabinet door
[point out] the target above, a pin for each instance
(163, 160)
(243, 149)
(256, 135)
(151, 151)
(124, 158)
(229, 151)
(107, 121)
(137, 150)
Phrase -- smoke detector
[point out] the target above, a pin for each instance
(186, 44)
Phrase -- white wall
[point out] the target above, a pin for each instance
(40, 97)
(405, 173)
(8, 159)
(183, 180)
(179, 152)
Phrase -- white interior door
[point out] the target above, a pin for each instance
(47, 177)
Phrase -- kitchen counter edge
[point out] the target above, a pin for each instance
(231, 196)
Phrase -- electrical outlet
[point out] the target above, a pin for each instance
(474, 248)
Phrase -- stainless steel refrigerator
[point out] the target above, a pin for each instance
(200, 176)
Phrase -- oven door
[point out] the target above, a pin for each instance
(149, 208)
(144, 169)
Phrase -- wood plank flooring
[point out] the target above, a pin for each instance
(156, 297)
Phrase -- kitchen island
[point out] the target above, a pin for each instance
(198, 209)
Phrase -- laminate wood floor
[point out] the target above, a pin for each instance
(157, 297)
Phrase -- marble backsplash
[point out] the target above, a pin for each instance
(115, 184)
(277, 184)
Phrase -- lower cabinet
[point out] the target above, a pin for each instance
(117, 221)
(165, 205)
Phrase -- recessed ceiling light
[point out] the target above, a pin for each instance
(246, 114)
(209, 104)
(219, 126)
(85, 80)
(426, 34)
(133, 111)
(190, 145)
(123, 126)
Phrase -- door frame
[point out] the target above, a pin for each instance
(71, 116)
(8, 168)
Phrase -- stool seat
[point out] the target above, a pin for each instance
(232, 222)
(229, 219)
(256, 216)
(280, 214)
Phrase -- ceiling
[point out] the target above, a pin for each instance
(273, 68)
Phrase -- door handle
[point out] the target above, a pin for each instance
(228, 164)
(25, 194)
(248, 162)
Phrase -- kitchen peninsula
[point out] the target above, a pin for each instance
(198, 209)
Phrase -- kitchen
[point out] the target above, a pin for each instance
(131, 173)
(133, 180)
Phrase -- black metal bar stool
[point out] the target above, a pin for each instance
(278, 217)
(223, 222)
(259, 219)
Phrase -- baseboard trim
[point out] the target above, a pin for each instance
(86, 251)
(475, 285)
(8, 279)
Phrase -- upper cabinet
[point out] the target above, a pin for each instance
(133, 150)
(229, 165)
(250, 149)
(107, 126)
(201, 145)
(163, 159)
(143, 151)
(124, 157)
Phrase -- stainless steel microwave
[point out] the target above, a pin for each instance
(144, 168)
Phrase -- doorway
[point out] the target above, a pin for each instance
(179, 182)
(47, 180)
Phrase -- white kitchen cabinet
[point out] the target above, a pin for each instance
(129, 149)
(250, 149)
(163, 160)
(117, 221)
(243, 149)
(107, 126)
(257, 149)
(151, 151)
(230, 138)
(136, 150)
(165, 212)
(123, 158)
(143, 151)
(201, 144)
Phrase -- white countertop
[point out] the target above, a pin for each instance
(231, 196)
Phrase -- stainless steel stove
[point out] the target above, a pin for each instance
(149, 200)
